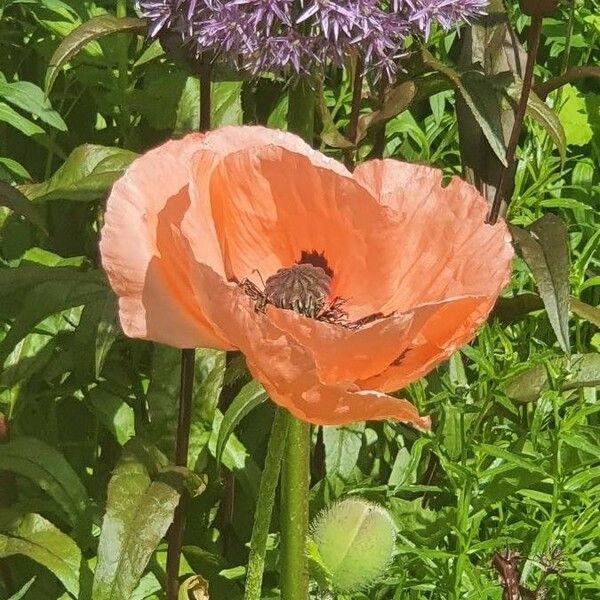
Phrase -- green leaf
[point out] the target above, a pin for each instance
(13, 118)
(583, 370)
(318, 570)
(574, 117)
(138, 514)
(88, 173)
(47, 468)
(12, 198)
(512, 458)
(226, 103)
(21, 593)
(397, 99)
(342, 447)
(545, 249)
(40, 540)
(114, 412)
(481, 97)
(47, 299)
(330, 134)
(585, 311)
(541, 113)
(250, 396)
(30, 97)
(89, 31)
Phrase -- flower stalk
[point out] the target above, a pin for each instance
(181, 451)
(295, 477)
(186, 392)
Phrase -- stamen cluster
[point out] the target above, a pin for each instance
(296, 35)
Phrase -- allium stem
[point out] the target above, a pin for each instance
(124, 113)
(294, 511)
(295, 477)
(181, 452)
(351, 132)
(264, 505)
(502, 189)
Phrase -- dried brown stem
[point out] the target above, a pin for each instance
(532, 50)
(570, 76)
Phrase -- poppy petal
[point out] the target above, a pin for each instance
(448, 250)
(139, 260)
(271, 205)
(287, 369)
(346, 354)
(452, 325)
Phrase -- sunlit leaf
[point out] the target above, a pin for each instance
(87, 174)
(38, 539)
(89, 31)
(138, 514)
(342, 447)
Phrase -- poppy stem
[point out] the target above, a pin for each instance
(294, 511)
(181, 453)
(295, 475)
(264, 505)
(535, 32)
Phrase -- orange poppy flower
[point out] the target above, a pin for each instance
(338, 287)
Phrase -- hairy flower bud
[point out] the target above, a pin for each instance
(355, 541)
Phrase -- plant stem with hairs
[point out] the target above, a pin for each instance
(295, 478)
(185, 393)
(503, 185)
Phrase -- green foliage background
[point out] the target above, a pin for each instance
(88, 417)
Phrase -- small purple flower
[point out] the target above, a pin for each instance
(295, 35)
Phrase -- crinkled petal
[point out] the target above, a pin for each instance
(155, 298)
(447, 248)
(286, 368)
(345, 354)
(452, 325)
(271, 205)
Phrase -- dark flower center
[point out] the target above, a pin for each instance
(302, 288)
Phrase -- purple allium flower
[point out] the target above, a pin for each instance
(295, 35)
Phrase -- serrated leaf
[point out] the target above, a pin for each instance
(573, 115)
(87, 174)
(138, 514)
(30, 97)
(46, 467)
(12, 198)
(93, 29)
(250, 396)
(342, 447)
(545, 249)
(40, 540)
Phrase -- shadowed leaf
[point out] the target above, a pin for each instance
(545, 249)
(12, 198)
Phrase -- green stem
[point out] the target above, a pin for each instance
(264, 505)
(295, 477)
(294, 511)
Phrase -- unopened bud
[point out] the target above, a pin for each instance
(355, 540)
